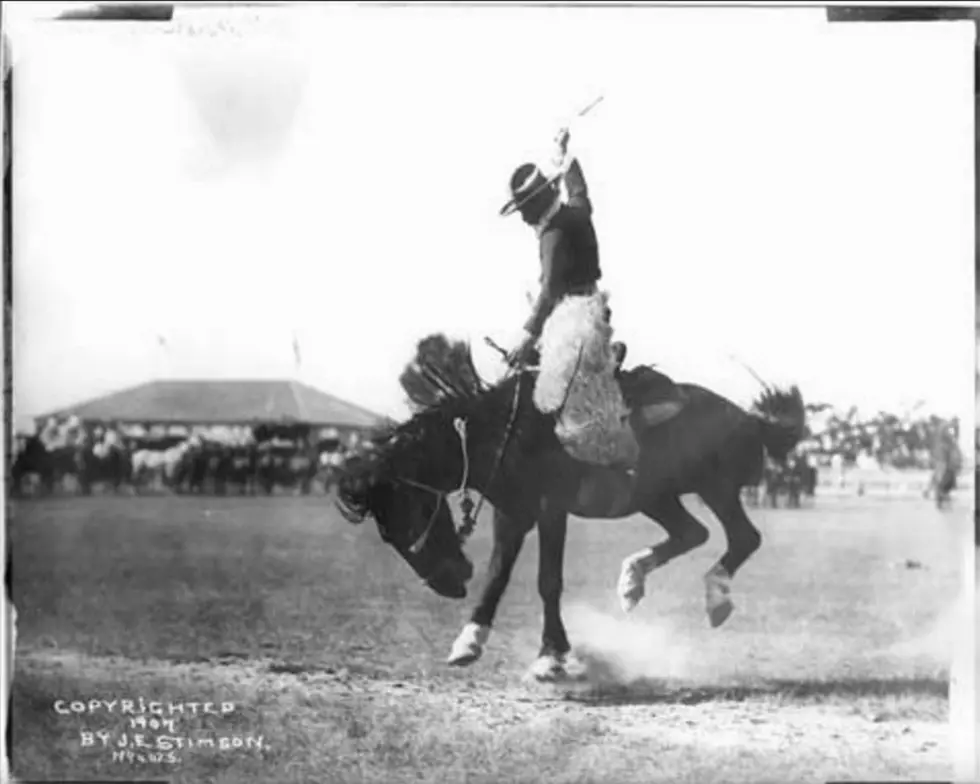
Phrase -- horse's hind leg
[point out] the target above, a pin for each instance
(684, 533)
(743, 540)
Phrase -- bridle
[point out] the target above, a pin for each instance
(460, 426)
(470, 510)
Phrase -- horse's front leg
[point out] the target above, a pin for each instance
(554, 660)
(508, 538)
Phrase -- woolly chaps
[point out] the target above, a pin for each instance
(577, 371)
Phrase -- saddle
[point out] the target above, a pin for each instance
(652, 397)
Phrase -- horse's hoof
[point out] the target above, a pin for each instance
(717, 596)
(718, 613)
(547, 669)
(630, 587)
(468, 647)
(629, 600)
(575, 668)
(464, 657)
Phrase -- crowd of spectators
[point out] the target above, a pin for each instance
(906, 441)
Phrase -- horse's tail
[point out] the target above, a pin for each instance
(780, 437)
(782, 420)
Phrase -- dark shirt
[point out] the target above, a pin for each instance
(569, 251)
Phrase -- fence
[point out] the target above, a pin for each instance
(883, 482)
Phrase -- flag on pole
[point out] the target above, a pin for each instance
(296, 354)
(162, 341)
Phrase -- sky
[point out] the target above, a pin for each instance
(771, 192)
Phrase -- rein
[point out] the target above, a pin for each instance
(470, 510)
(460, 425)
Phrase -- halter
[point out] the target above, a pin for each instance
(470, 510)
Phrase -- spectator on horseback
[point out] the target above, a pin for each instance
(77, 435)
(109, 442)
(50, 434)
(62, 435)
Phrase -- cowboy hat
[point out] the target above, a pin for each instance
(527, 182)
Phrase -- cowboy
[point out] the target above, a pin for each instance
(68, 433)
(571, 311)
(568, 245)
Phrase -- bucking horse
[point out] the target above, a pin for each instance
(466, 434)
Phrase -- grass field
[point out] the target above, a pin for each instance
(833, 665)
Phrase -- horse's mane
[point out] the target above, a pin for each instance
(442, 371)
(440, 382)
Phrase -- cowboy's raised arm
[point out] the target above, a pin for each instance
(554, 263)
(578, 191)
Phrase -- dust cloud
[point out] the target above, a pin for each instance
(624, 650)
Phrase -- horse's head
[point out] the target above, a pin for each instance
(413, 518)
(402, 476)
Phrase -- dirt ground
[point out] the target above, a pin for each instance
(834, 666)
